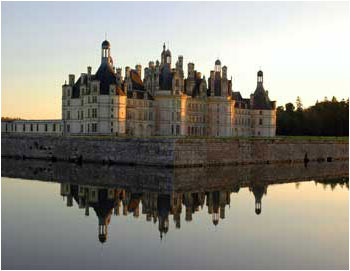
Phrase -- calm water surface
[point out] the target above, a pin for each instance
(292, 225)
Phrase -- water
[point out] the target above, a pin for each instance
(64, 216)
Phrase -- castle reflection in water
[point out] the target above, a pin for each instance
(157, 207)
(163, 194)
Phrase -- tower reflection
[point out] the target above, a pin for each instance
(156, 207)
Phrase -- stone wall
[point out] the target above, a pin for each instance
(171, 151)
(194, 152)
(141, 178)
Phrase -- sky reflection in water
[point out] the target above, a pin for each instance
(301, 225)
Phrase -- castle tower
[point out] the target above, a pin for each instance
(258, 191)
(166, 57)
(260, 77)
(218, 66)
(106, 52)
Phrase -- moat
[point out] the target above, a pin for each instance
(58, 215)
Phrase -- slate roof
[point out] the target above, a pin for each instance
(136, 80)
(106, 76)
(165, 78)
(196, 88)
(240, 101)
(261, 100)
(140, 94)
(236, 95)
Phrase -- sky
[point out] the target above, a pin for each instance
(302, 47)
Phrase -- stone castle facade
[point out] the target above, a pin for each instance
(164, 103)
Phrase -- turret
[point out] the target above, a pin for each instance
(224, 72)
(106, 52)
(190, 70)
(218, 66)
(260, 77)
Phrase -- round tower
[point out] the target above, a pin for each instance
(217, 65)
(106, 52)
(260, 77)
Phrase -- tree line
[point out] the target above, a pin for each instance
(326, 118)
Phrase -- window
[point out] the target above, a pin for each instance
(89, 115)
(94, 88)
(54, 127)
(82, 102)
(45, 127)
(68, 103)
(260, 121)
(94, 127)
(177, 129)
(68, 115)
(68, 128)
(82, 115)
(260, 112)
(24, 127)
(81, 128)
(31, 127)
(94, 112)
(37, 127)
(94, 99)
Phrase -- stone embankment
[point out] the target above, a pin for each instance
(173, 152)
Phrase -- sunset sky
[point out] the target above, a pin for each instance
(302, 47)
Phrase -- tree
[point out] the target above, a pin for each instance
(299, 104)
(326, 118)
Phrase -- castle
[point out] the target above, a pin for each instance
(164, 103)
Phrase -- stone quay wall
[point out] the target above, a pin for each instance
(172, 152)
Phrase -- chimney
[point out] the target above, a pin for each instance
(138, 69)
(127, 72)
(71, 79)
